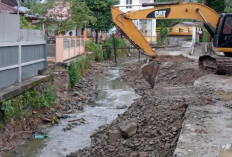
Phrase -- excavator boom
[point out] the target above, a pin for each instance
(164, 10)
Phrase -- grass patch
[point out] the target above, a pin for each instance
(77, 69)
(38, 98)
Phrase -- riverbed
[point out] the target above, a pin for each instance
(114, 97)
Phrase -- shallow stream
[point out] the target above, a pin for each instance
(113, 92)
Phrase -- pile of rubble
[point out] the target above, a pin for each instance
(151, 126)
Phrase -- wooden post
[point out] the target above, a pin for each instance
(115, 49)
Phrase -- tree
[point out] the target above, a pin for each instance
(28, 3)
(101, 11)
(217, 5)
(64, 15)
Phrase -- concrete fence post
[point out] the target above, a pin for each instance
(20, 62)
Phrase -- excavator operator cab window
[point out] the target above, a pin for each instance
(225, 37)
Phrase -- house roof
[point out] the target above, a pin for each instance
(22, 9)
(190, 24)
(11, 3)
(7, 9)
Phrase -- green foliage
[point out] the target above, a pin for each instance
(162, 38)
(28, 3)
(101, 11)
(55, 18)
(109, 53)
(32, 99)
(77, 69)
(229, 10)
(96, 49)
(24, 24)
(74, 74)
(217, 5)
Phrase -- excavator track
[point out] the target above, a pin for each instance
(218, 64)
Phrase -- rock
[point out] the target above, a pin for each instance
(143, 154)
(174, 129)
(128, 128)
(114, 136)
(45, 71)
(47, 120)
(134, 154)
(58, 115)
(121, 107)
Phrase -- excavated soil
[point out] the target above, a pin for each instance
(158, 114)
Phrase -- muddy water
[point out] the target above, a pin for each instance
(113, 93)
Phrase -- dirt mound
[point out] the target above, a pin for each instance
(153, 131)
(174, 70)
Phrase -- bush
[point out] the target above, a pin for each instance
(96, 49)
(32, 99)
(77, 69)
(162, 38)
(109, 53)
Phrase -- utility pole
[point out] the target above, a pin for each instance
(31, 4)
(115, 49)
(18, 4)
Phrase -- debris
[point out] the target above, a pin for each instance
(40, 136)
(152, 124)
(114, 136)
(72, 123)
(47, 120)
(128, 128)
(81, 120)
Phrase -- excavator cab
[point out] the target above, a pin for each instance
(223, 34)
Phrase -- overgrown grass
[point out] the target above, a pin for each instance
(120, 43)
(96, 49)
(77, 69)
(38, 98)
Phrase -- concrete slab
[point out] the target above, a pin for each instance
(207, 130)
(16, 89)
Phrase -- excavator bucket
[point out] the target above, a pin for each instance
(150, 72)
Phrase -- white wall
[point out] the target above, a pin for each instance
(150, 24)
(135, 2)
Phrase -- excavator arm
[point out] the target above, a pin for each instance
(166, 10)
(195, 11)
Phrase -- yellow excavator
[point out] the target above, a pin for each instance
(218, 26)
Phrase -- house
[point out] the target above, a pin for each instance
(4, 8)
(187, 31)
(185, 28)
(11, 3)
(146, 26)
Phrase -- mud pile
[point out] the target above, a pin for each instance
(174, 71)
(152, 124)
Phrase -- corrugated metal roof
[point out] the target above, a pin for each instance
(22, 9)
(7, 9)
(11, 3)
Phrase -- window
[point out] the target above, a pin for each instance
(228, 26)
(129, 2)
